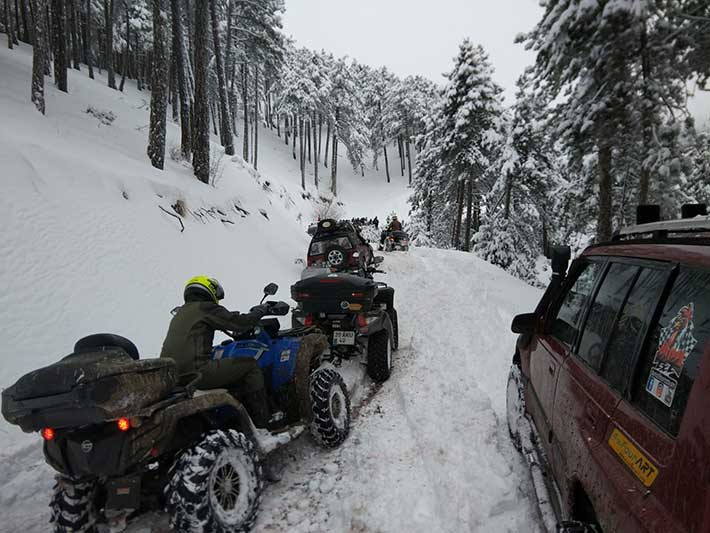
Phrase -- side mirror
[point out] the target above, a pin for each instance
(524, 324)
(280, 309)
(271, 289)
(377, 260)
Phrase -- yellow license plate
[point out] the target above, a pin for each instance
(632, 457)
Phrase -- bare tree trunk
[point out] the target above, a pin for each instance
(508, 195)
(400, 145)
(180, 60)
(469, 208)
(28, 33)
(295, 134)
(646, 120)
(124, 70)
(308, 136)
(108, 29)
(302, 151)
(605, 194)
(245, 140)
(256, 116)
(327, 145)
(38, 59)
(76, 57)
(59, 46)
(459, 215)
(316, 150)
(87, 40)
(201, 125)
(320, 134)
(225, 125)
(158, 95)
(334, 164)
(286, 129)
(8, 23)
(409, 159)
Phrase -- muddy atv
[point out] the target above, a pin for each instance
(128, 435)
(396, 241)
(356, 314)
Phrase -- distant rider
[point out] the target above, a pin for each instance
(189, 343)
(394, 225)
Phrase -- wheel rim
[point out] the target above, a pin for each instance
(338, 407)
(335, 257)
(230, 485)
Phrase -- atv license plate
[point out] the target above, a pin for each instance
(344, 337)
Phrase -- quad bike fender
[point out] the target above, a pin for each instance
(214, 408)
(307, 361)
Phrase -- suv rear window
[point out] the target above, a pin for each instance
(674, 350)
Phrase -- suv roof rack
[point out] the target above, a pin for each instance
(698, 227)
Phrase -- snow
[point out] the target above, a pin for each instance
(87, 248)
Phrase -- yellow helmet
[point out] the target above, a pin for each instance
(206, 285)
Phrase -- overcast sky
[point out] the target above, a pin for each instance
(414, 36)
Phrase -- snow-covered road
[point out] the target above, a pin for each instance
(428, 451)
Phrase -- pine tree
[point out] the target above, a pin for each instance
(225, 125)
(59, 48)
(159, 96)
(179, 53)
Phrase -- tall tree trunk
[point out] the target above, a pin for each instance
(201, 140)
(230, 63)
(409, 159)
(316, 150)
(327, 145)
(334, 163)
(59, 45)
(308, 136)
(459, 215)
(87, 40)
(158, 95)
(245, 95)
(38, 59)
(225, 124)
(173, 98)
(508, 194)
(387, 161)
(286, 129)
(295, 134)
(108, 31)
(302, 152)
(320, 134)
(180, 60)
(28, 33)
(469, 208)
(400, 145)
(256, 117)
(605, 193)
(8, 23)
(646, 120)
(124, 69)
(76, 56)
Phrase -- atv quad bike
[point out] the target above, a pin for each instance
(128, 435)
(396, 241)
(357, 315)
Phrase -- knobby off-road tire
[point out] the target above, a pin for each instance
(215, 485)
(379, 356)
(395, 328)
(73, 506)
(515, 405)
(330, 403)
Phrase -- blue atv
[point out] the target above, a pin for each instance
(301, 384)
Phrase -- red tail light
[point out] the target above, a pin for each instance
(358, 295)
(308, 321)
(361, 321)
(301, 296)
(124, 424)
(48, 434)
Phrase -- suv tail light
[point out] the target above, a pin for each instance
(123, 424)
(48, 434)
(308, 321)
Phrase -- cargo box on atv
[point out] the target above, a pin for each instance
(335, 294)
(88, 387)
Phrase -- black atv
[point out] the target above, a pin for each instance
(129, 435)
(396, 241)
(356, 313)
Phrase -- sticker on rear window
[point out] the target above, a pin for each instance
(674, 345)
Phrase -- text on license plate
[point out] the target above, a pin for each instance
(344, 337)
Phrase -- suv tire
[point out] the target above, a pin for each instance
(215, 485)
(515, 405)
(395, 328)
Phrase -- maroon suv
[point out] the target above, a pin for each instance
(609, 392)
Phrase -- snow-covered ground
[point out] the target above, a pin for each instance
(88, 243)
